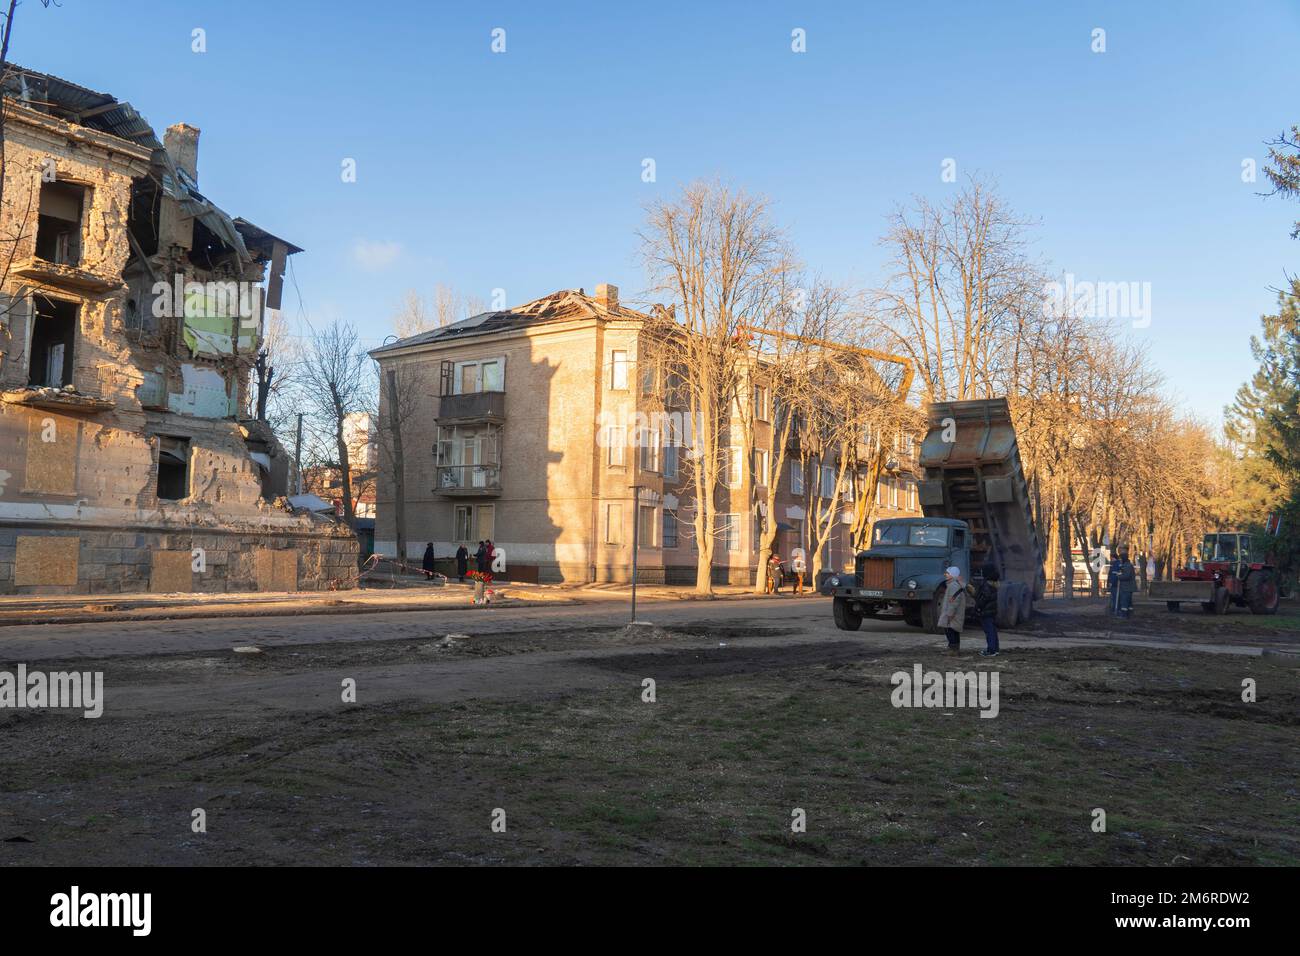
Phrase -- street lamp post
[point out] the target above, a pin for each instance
(636, 540)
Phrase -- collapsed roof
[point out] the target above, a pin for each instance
(561, 306)
(81, 106)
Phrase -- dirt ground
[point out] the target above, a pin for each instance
(749, 724)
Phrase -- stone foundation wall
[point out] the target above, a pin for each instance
(42, 559)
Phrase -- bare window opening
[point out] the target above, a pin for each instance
(58, 228)
(173, 468)
(54, 330)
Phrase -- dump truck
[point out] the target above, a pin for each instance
(976, 509)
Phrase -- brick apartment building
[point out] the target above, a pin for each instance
(506, 445)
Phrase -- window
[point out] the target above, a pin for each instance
(58, 225)
(916, 535)
(670, 528)
(649, 378)
(762, 403)
(647, 527)
(475, 522)
(173, 468)
(828, 481)
(730, 474)
(893, 494)
(54, 331)
(670, 462)
(618, 369)
(729, 532)
(614, 524)
(614, 440)
(464, 523)
(880, 490)
(911, 495)
(796, 478)
(649, 449)
(485, 375)
(760, 465)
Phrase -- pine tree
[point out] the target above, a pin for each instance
(1263, 423)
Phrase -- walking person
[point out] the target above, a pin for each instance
(952, 610)
(986, 608)
(427, 563)
(798, 566)
(491, 554)
(462, 563)
(1122, 581)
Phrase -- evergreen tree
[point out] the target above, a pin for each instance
(1263, 423)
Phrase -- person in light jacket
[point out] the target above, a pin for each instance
(952, 610)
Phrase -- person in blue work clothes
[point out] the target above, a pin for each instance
(1122, 581)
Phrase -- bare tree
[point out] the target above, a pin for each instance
(715, 255)
(960, 280)
(417, 314)
(334, 384)
(404, 391)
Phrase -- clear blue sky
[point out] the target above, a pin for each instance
(523, 170)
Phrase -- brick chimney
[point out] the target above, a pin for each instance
(607, 295)
(182, 144)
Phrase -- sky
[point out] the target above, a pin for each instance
(522, 170)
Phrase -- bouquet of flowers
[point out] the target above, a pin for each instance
(484, 576)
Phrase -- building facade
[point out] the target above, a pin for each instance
(129, 328)
(507, 438)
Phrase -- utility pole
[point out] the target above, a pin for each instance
(297, 455)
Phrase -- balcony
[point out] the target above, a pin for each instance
(468, 481)
(472, 407)
(66, 276)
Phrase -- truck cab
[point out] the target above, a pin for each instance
(904, 566)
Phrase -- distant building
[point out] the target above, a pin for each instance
(506, 446)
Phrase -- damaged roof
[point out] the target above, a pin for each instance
(565, 305)
(76, 104)
(73, 103)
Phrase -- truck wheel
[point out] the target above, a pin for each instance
(846, 619)
(930, 613)
(1026, 603)
(1008, 606)
(912, 615)
(1173, 606)
(1261, 593)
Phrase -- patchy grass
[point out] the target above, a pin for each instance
(1186, 772)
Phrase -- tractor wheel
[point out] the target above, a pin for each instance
(930, 613)
(1261, 592)
(1173, 606)
(846, 619)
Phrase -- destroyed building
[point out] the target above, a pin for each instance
(130, 316)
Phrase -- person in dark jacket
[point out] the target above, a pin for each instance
(1122, 582)
(986, 608)
(462, 563)
(427, 563)
(481, 557)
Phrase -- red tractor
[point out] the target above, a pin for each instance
(1228, 572)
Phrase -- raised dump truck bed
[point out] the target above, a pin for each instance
(972, 472)
(976, 505)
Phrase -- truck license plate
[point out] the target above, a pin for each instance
(872, 593)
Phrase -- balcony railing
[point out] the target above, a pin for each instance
(468, 480)
(473, 407)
